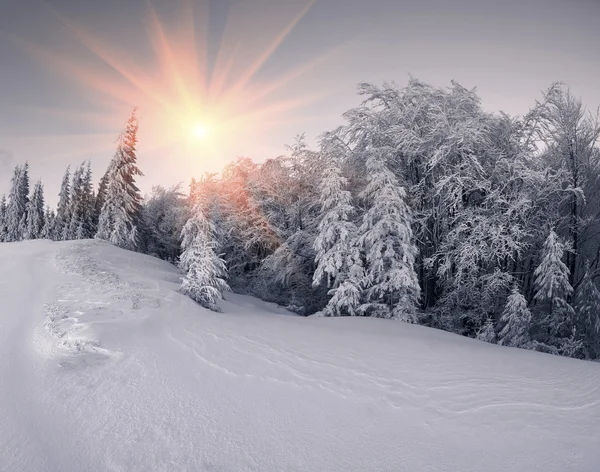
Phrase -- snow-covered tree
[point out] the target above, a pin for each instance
(205, 272)
(100, 196)
(515, 320)
(120, 212)
(487, 332)
(587, 312)
(551, 282)
(163, 214)
(392, 288)
(3, 216)
(24, 196)
(347, 296)
(336, 246)
(571, 135)
(35, 213)
(63, 217)
(81, 225)
(49, 224)
(336, 230)
(552, 291)
(75, 203)
(18, 199)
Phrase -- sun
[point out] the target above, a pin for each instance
(198, 131)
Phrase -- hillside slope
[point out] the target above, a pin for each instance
(105, 367)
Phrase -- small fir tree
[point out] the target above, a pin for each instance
(204, 281)
(515, 321)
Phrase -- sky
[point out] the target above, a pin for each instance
(213, 80)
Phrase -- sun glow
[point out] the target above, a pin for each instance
(186, 100)
(199, 131)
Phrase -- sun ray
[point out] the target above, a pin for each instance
(271, 48)
(270, 87)
(167, 59)
(124, 66)
(188, 107)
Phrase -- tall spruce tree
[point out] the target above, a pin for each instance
(120, 214)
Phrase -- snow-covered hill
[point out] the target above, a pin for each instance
(105, 367)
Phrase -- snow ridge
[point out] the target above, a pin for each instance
(99, 296)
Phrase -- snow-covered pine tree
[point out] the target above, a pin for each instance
(87, 223)
(337, 255)
(587, 311)
(17, 204)
(100, 196)
(81, 225)
(75, 206)
(204, 281)
(3, 218)
(49, 224)
(63, 217)
(120, 212)
(552, 287)
(24, 197)
(392, 287)
(35, 213)
(486, 332)
(515, 321)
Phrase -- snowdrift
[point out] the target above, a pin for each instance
(105, 367)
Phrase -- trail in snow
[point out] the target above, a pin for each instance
(104, 366)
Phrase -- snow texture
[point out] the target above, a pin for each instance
(104, 366)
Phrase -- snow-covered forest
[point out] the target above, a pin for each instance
(421, 207)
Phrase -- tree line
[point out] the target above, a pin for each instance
(420, 207)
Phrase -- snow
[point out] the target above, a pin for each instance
(105, 367)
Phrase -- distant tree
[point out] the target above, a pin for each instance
(81, 225)
(24, 197)
(100, 196)
(63, 216)
(75, 206)
(18, 199)
(49, 224)
(35, 213)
